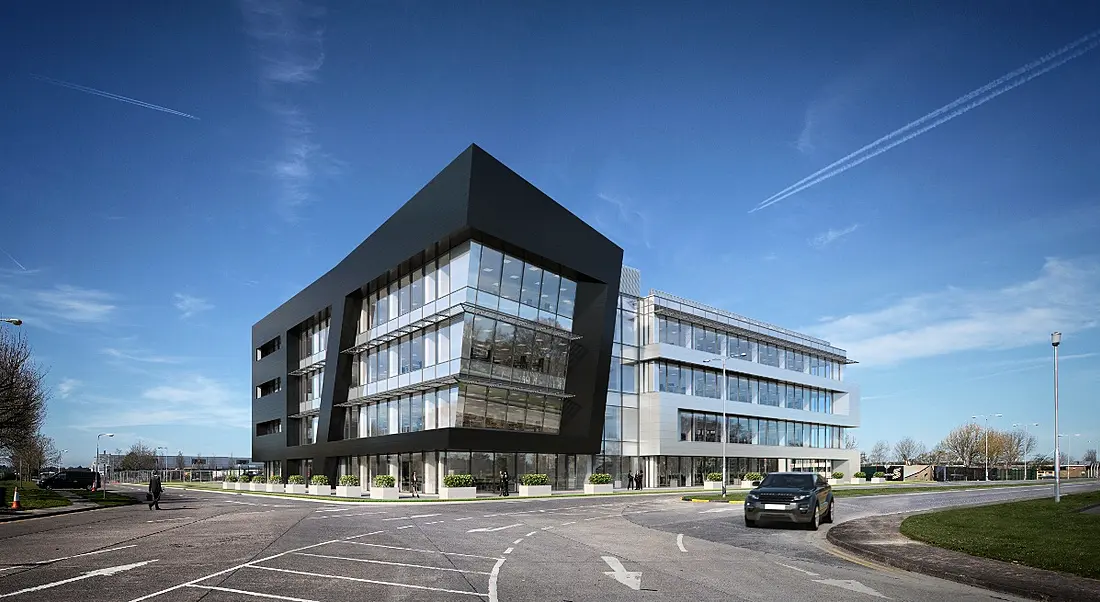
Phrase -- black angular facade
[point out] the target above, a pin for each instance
(475, 198)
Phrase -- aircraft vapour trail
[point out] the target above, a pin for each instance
(1090, 41)
(112, 96)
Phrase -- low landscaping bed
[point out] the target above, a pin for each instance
(107, 499)
(31, 497)
(856, 491)
(1037, 533)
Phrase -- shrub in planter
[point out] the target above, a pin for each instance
(387, 480)
(349, 486)
(319, 479)
(714, 476)
(231, 479)
(274, 485)
(599, 478)
(753, 476)
(534, 480)
(860, 475)
(275, 480)
(349, 480)
(259, 479)
(459, 480)
(880, 475)
(295, 479)
(838, 475)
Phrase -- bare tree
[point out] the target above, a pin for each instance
(1089, 457)
(29, 454)
(140, 457)
(23, 394)
(908, 449)
(850, 441)
(179, 461)
(964, 443)
(879, 453)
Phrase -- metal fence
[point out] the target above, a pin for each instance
(175, 475)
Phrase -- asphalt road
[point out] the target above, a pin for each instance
(217, 547)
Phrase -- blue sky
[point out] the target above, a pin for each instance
(263, 141)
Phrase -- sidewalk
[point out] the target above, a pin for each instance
(77, 504)
(878, 538)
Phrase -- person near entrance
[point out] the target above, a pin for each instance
(504, 483)
(414, 485)
(638, 481)
(630, 480)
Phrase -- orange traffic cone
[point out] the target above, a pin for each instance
(15, 500)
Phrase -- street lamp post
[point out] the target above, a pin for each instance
(160, 447)
(724, 433)
(1027, 439)
(98, 462)
(12, 321)
(987, 417)
(1055, 340)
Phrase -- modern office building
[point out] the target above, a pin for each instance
(485, 327)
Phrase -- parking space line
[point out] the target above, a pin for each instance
(516, 542)
(680, 542)
(360, 580)
(464, 518)
(406, 527)
(572, 522)
(531, 533)
(508, 551)
(378, 545)
(411, 517)
(548, 528)
(248, 593)
(363, 535)
(41, 562)
(405, 564)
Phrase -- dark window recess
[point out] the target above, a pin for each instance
(271, 386)
(270, 427)
(269, 347)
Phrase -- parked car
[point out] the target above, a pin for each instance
(69, 479)
(798, 497)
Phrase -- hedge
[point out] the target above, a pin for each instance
(534, 480)
(458, 480)
(753, 476)
(838, 475)
(860, 475)
(714, 477)
(319, 480)
(295, 479)
(599, 478)
(384, 480)
(349, 480)
(880, 474)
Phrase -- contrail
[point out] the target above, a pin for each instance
(14, 260)
(127, 99)
(1028, 71)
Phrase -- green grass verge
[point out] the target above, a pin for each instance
(1037, 533)
(106, 499)
(31, 497)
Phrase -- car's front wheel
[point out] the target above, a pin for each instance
(828, 516)
(812, 525)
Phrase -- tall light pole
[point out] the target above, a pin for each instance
(103, 481)
(1027, 439)
(987, 417)
(12, 321)
(724, 433)
(160, 447)
(1055, 340)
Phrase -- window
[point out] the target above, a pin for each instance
(270, 427)
(532, 285)
(417, 290)
(566, 296)
(488, 278)
(268, 348)
(272, 386)
(404, 296)
(511, 281)
(481, 339)
(551, 284)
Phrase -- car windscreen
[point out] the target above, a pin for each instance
(789, 481)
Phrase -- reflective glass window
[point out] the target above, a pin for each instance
(511, 279)
(566, 297)
(417, 290)
(532, 285)
(481, 340)
(630, 378)
(404, 354)
(473, 409)
(416, 351)
(612, 424)
(488, 278)
(416, 410)
(536, 405)
(552, 421)
(698, 382)
(503, 340)
(549, 298)
(496, 409)
(404, 297)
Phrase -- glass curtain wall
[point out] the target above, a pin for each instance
(671, 377)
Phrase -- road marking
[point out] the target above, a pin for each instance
(493, 578)
(491, 529)
(851, 585)
(241, 566)
(248, 593)
(572, 522)
(41, 562)
(719, 509)
(411, 517)
(516, 542)
(508, 551)
(531, 533)
(333, 510)
(631, 579)
(680, 542)
(435, 522)
(164, 520)
(548, 528)
(241, 503)
(794, 568)
(464, 518)
(107, 572)
(363, 535)
(414, 566)
(406, 527)
(378, 545)
(360, 580)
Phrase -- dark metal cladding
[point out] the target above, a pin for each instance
(475, 197)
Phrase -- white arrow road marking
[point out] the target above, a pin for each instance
(680, 542)
(854, 586)
(489, 530)
(794, 568)
(107, 572)
(618, 572)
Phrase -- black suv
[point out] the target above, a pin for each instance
(798, 497)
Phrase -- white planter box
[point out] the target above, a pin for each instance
(320, 489)
(747, 485)
(534, 490)
(590, 489)
(878, 479)
(274, 488)
(349, 491)
(384, 493)
(295, 488)
(242, 486)
(257, 486)
(457, 493)
(858, 481)
(834, 481)
(228, 485)
(712, 485)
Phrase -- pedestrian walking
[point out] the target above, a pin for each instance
(414, 485)
(155, 489)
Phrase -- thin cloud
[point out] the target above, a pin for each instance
(112, 96)
(190, 305)
(140, 356)
(187, 399)
(14, 260)
(1064, 295)
(289, 42)
(66, 387)
(956, 108)
(627, 214)
(830, 236)
(74, 304)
